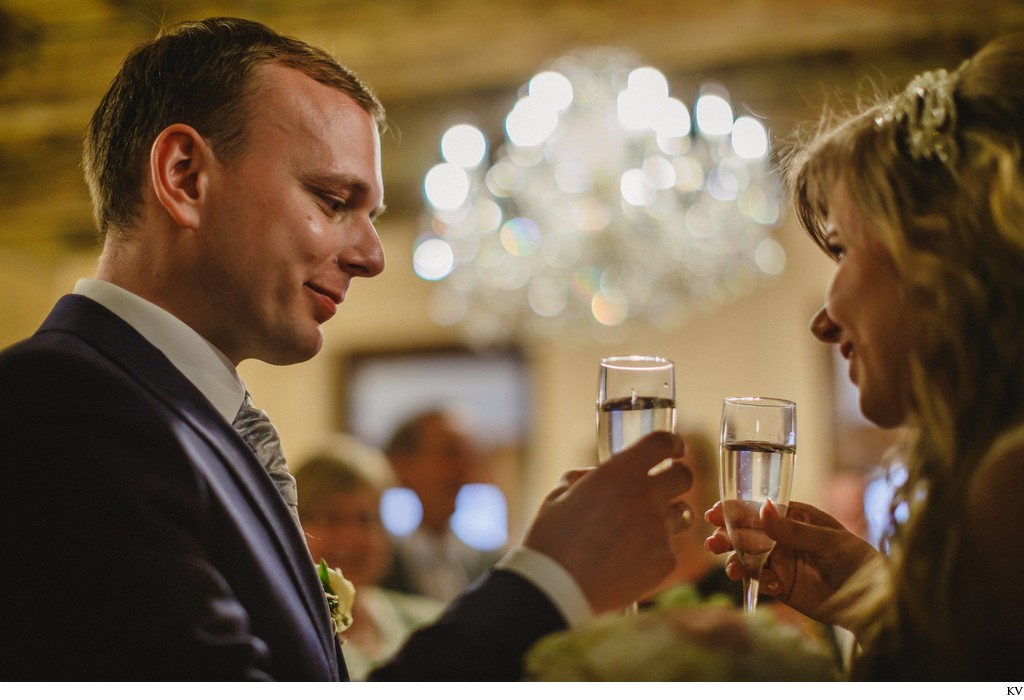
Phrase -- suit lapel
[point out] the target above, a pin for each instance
(118, 341)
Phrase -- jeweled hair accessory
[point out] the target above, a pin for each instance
(928, 106)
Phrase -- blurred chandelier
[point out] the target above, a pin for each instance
(606, 207)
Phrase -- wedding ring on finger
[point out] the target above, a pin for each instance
(682, 516)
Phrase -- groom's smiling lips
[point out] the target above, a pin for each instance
(327, 300)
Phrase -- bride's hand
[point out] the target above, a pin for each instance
(814, 556)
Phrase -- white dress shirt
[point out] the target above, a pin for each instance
(214, 375)
(194, 356)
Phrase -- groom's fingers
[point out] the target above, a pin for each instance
(645, 454)
(654, 457)
(568, 479)
(669, 484)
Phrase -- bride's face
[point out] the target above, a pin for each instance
(866, 314)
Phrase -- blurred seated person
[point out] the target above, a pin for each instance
(434, 454)
(339, 506)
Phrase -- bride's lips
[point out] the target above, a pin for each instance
(327, 301)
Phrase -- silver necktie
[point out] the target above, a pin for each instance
(261, 436)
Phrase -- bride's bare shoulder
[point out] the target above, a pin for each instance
(1000, 475)
(1000, 478)
(1010, 445)
(990, 573)
(995, 513)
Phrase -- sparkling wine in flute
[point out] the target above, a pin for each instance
(758, 460)
(754, 472)
(621, 422)
(636, 395)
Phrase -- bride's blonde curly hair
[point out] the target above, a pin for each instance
(955, 231)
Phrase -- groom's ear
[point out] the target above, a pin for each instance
(178, 163)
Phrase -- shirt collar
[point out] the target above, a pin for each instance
(194, 356)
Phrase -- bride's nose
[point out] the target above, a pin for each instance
(823, 327)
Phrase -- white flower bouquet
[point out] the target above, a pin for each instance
(681, 638)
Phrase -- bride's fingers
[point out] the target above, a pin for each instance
(718, 542)
(733, 568)
(714, 515)
(793, 533)
(770, 584)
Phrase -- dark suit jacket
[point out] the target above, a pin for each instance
(142, 539)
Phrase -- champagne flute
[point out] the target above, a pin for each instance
(758, 460)
(636, 395)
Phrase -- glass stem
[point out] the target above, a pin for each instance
(750, 588)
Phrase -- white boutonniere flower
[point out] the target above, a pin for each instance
(340, 595)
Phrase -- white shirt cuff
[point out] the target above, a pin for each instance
(553, 581)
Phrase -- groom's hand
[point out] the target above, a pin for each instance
(610, 526)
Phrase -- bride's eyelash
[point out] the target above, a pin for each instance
(834, 248)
